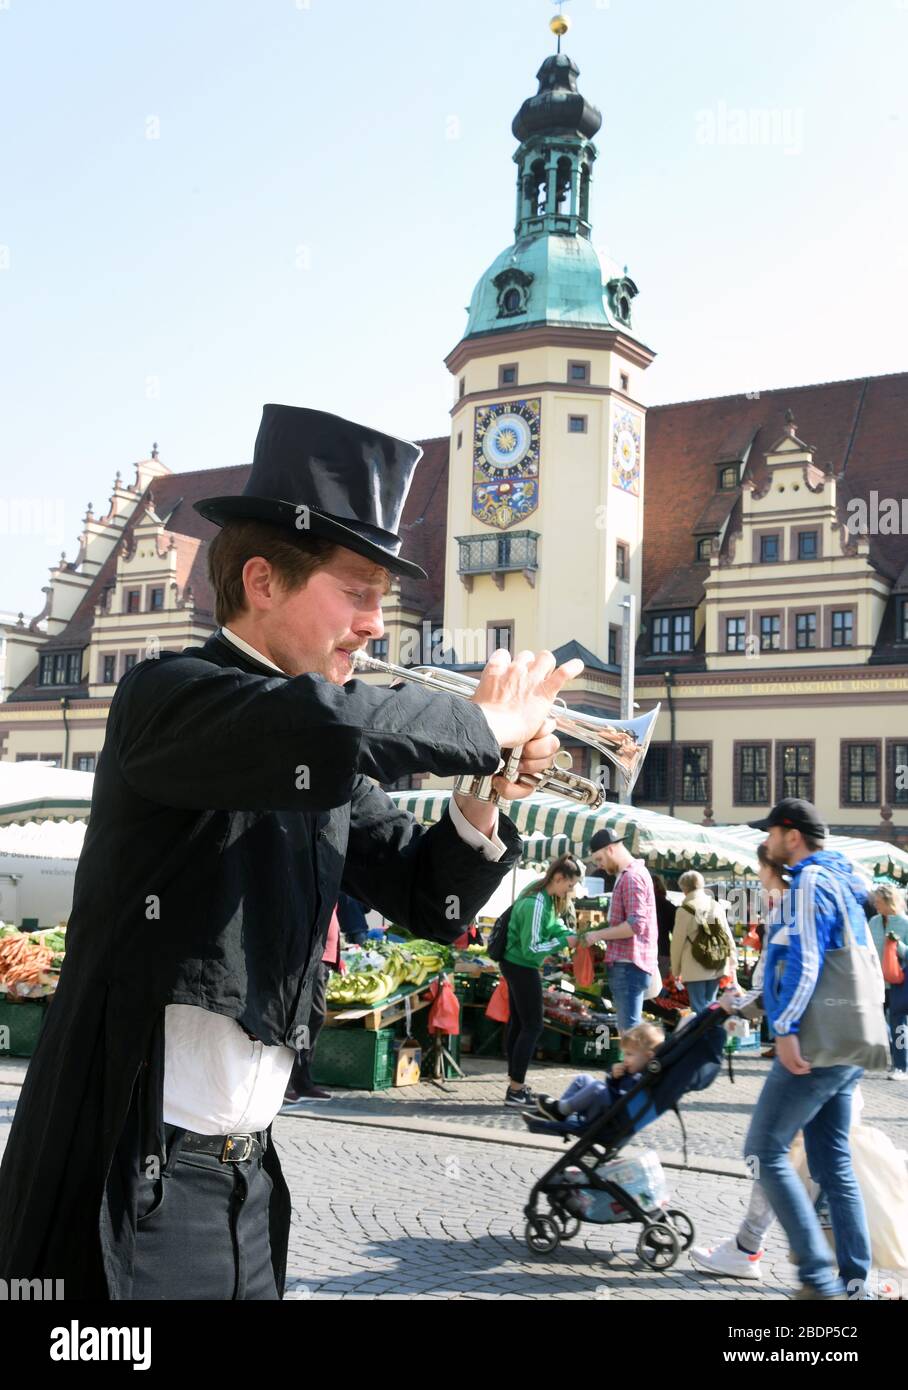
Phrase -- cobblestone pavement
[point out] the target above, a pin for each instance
(402, 1215)
(381, 1213)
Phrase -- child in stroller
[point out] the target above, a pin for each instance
(586, 1184)
(586, 1098)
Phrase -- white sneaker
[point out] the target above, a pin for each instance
(727, 1259)
(897, 1076)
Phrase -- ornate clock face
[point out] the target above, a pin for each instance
(506, 461)
(506, 443)
(626, 452)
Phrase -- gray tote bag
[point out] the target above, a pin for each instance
(844, 1024)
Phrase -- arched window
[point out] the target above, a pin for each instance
(585, 193)
(563, 185)
(511, 302)
(538, 186)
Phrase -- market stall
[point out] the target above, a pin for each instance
(374, 1028)
(30, 965)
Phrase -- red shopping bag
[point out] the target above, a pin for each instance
(499, 1006)
(444, 1011)
(584, 967)
(893, 973)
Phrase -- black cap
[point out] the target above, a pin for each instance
(793, 814)
(605, 837)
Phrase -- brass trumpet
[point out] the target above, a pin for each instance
(622, 742)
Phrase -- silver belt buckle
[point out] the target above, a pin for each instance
(230, 1143)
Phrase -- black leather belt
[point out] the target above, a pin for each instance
(229, 1148)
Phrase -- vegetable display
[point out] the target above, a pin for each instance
(378, 971)
(30, 961)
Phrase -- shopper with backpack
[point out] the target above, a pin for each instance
(703, 947)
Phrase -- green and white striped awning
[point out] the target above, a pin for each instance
(553, 825)
(876, 857)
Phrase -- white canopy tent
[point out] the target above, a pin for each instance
(36, 791)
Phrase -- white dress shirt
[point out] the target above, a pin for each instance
(216, 1079)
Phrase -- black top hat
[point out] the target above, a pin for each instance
(318, 474)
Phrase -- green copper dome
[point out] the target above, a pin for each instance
(551, 273)
(547, 279)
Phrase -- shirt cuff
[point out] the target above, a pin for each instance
(492, 848)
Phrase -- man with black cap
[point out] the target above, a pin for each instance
(233, 800)
(825, 893)
(633, 930)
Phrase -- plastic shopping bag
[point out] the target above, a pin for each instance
(584, 969)
(893, 973)
(444, 1012)
(499, 1006)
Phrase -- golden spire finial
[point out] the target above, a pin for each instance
(560, 24)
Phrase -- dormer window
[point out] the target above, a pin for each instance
(513, 289)
(728, 477)
(60, 668)
(704, 548)
(621, 292)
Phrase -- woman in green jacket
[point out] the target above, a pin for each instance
(535, 932)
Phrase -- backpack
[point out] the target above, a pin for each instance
(709, 946)
(498, 936)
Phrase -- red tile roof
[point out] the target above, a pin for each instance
(859, 428)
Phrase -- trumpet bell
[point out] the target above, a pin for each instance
(621, 742)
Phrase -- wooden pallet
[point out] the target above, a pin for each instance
(382, 1014)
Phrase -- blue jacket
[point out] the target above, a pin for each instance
(810, 923)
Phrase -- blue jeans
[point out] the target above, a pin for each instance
(898, 1026)
(820, 1104)
(701, 992)
(587, 1097)
(628, 985)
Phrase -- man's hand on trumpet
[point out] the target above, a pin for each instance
(516, 698)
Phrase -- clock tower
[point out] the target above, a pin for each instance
(545, 499)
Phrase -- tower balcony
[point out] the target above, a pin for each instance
(497, 555)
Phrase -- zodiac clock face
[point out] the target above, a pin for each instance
(506, 461)
(626, 452)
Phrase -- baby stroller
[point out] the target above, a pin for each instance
(576, 1189)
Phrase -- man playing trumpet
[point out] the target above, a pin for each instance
(232, 802)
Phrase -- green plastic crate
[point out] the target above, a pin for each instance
(585, 1052)
(20, 1027)
(465, 987)
(361, 1058)
(553, 1044)
(488, 1036)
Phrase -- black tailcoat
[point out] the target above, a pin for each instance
(230, 806)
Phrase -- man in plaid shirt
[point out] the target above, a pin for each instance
(633, 930)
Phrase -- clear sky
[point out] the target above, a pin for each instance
(326, 181)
